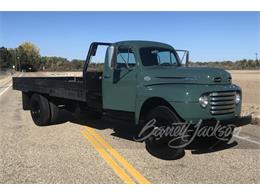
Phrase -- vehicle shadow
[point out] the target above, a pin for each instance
(129, 131)
(203, 147)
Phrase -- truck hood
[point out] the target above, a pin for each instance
(186, 75)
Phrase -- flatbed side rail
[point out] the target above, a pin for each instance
(62, 88)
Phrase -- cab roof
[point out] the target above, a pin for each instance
(141, 43)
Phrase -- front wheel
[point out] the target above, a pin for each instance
(40, 110)
(159, 143)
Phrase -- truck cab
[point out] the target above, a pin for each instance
(140, 75)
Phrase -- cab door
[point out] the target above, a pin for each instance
(119, 79)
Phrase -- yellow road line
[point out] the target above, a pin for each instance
(135, 174)
(118, 170)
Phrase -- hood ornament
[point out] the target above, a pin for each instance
(217, 79)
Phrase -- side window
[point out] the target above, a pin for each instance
(173, 59)
(111, 57)
(166, 57)
(125, 58)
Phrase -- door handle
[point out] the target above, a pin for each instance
(106, 76)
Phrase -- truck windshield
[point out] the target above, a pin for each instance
(152, 56)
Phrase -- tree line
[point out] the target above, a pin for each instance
(26, 57)
(230, 65)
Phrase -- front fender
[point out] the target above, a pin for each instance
(183, 98)
(169, 93)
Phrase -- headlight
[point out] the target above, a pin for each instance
(238, 98)
(203, 100)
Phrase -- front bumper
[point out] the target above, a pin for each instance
(237, 121)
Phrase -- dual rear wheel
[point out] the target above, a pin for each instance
(43, 111)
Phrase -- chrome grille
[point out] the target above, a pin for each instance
(222, 102)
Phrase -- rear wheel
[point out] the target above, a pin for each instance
(40, 110)
(55, 112)
(160, 146)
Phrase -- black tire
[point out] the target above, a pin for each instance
(40, 110)
(55, 113)
(159, 147)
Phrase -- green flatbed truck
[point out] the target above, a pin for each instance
(140, 80)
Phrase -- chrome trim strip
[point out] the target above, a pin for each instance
(222, 98)
(222, 94)
(222, 107)
(223, 103)
(222, 111)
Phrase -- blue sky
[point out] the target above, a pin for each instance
(209, 36)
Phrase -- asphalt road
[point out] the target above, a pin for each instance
(103, 151)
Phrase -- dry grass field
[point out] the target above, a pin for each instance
(249, 81)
